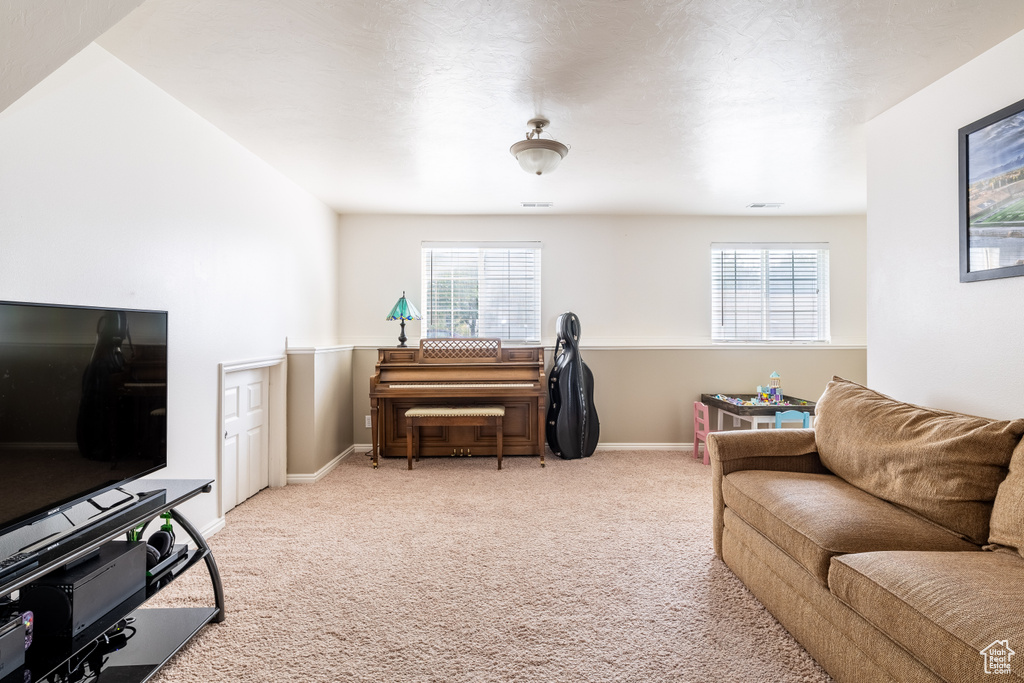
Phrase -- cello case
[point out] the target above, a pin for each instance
(98, 414)
(572, 424)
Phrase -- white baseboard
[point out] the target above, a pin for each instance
(322, 472)
(213, 527)
(601, 446)
(207, 531)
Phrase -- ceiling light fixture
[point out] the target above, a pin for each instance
(536, 155)
(764, 205)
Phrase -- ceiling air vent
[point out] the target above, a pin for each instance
(537, 205)
(764, 205)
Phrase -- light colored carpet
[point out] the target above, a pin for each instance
(588, 570)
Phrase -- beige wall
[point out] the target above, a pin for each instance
(363, 361)
(301, 414)
(334, 377)
(645, 396)
(319, 406)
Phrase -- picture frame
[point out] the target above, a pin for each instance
(992, 196)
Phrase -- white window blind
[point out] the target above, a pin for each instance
(769, 292)
(482, 290)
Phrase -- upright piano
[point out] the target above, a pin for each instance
(459, 372)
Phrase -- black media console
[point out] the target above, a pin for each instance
(128, 642)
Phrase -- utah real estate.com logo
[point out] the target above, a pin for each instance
(997, 657)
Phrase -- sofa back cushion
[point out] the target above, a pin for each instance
(1008, 510)
(941, 465)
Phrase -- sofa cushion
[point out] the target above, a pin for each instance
(1007, 524)
(850, 648)
(941, 465)
(813, 517)
(945, 608)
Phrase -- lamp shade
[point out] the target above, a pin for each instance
(539, 156)
(403, 310)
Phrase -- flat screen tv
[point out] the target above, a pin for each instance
(83, 405)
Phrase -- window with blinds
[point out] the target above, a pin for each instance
(769, 292)
(485, 289)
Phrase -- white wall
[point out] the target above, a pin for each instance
(114, 194)
(932, 339)
(632, 280)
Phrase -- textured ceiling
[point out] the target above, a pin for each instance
(668, 106)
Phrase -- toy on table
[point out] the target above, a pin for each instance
(770, 395)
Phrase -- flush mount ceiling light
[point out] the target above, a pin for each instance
(536, 155)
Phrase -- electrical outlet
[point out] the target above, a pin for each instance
(368, 423)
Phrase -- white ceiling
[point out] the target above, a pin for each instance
(668, 106)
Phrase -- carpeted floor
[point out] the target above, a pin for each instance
(588, 570)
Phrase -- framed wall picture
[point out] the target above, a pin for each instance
(992, 196)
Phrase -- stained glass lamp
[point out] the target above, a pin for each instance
(403, 311)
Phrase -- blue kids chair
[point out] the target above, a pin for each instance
(792, 416)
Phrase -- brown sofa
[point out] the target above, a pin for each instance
(886, 539)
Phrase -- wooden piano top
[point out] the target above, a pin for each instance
(474, 364)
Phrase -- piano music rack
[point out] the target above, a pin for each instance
(447, 350)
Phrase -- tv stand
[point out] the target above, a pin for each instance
(155, 634)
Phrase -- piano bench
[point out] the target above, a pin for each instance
(461, 416)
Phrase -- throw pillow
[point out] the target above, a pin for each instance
(941, 465)
(1008, 510)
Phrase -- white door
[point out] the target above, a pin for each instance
(246, 466)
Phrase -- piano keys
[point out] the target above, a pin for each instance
(459, 372)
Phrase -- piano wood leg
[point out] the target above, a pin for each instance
(411, 427)
(541, 416)
(498, 430)
(373, 429)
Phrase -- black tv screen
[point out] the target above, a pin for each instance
(83, 404)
